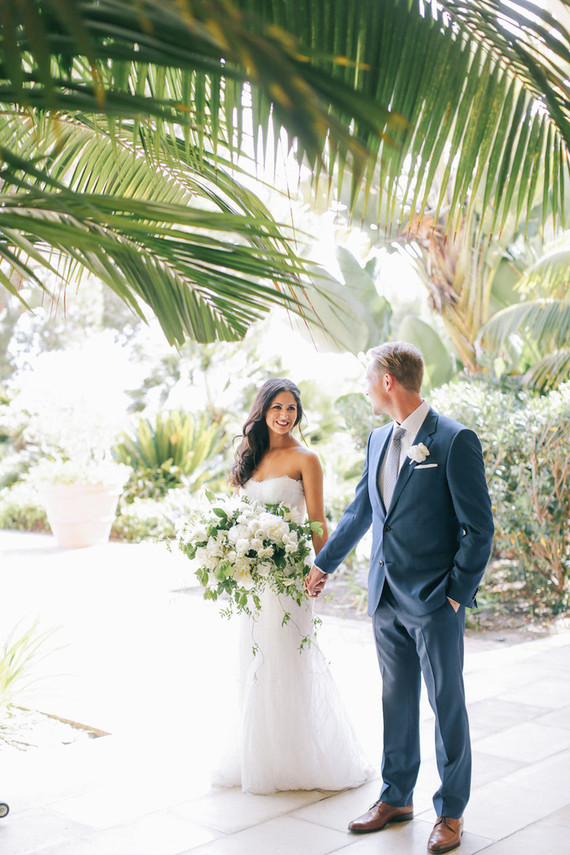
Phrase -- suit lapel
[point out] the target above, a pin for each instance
(425, 435)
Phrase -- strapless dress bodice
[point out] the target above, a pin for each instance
(279, 489)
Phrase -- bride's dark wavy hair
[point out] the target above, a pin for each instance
(255, 434)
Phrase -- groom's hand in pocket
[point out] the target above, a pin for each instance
(315, 581)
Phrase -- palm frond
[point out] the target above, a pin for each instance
(206, 274)
(546, 321)
(550, 371)
(476, 83)
(193, 244)
(377, 94)
(550, 274)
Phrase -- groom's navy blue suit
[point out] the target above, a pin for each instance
(433, 542)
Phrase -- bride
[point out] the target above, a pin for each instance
(293, 730)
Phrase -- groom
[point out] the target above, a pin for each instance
(424, 492)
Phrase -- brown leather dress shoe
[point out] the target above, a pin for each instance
(378, 817)
(446, 834)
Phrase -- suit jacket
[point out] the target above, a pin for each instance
(434, 540)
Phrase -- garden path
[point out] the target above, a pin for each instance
(142, 662)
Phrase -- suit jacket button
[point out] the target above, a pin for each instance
(387, 528)
(381, 564)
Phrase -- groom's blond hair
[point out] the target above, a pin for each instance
(402, 360)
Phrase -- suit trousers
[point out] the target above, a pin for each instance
(408, 647)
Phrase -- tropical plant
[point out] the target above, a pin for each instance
(20, 654)
(178, 449)
(476, 274)
(478, 85)
(185, 242)
(356, 317)
(532, 337)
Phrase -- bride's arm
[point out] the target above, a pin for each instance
(312, 475)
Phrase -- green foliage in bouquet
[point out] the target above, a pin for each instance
(242, 546)
(169, 453)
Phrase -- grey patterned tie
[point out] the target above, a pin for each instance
(392, 467)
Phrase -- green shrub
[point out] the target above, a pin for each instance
(178, 449)
(525, 440)
(143, 519)
(21, 509)
(13, 468)
(154, 519)
(358, 417)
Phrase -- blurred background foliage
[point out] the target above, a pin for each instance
(183, 410)
(461, 247)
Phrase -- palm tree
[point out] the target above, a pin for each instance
(149, 224)
(475, 86)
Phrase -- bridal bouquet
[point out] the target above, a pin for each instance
(241, 546)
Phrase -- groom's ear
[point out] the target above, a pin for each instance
(389, 381)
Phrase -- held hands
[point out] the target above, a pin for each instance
(315, 582)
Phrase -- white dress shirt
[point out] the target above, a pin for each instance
(411, 425)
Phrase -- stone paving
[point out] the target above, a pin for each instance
(149, 666)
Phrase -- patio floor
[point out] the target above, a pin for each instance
(148, 664)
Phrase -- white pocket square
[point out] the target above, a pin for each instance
(426, 465)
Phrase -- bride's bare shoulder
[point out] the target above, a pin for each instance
(307, 460)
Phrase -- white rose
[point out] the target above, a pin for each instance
(295, 515)
(241, 573)
(256, 544)
(242, 546)
(275, 527)
(201, 555)
(237, 532)
(418, 453)
(211, 562)
(264, 569)
(213, 548)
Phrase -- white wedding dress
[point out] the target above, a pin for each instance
(292, 730)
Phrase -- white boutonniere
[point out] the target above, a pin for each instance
(418, 453)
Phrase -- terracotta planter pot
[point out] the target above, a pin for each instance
(81, 514)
